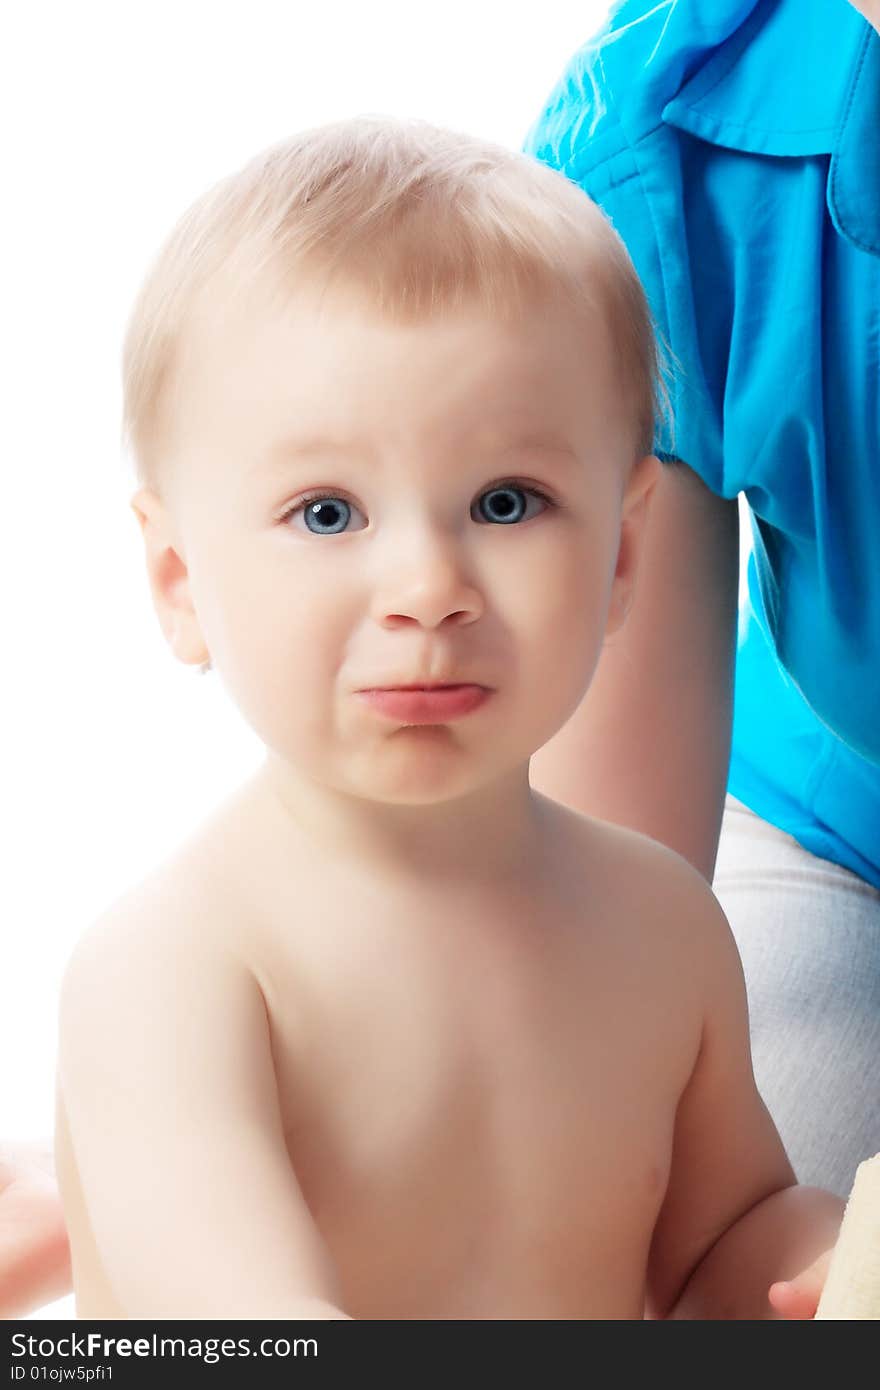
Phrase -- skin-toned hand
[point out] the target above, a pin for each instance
(798, 1298)
(34, 1252)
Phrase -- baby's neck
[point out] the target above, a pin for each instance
(492, 833)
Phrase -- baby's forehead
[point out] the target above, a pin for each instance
(262, 366)
(232, 314)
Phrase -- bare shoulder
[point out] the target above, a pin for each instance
(650, 888)
(157, 994)
(153, 959)
(192, 904)
(167, 915)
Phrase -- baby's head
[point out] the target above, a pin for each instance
(390, 394)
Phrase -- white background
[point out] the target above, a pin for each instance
(114, 117)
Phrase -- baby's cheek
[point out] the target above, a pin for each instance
(576, 593)
(575, 607)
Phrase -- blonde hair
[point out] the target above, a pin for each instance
(419, 219)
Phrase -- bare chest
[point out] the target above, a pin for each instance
(481, 1132)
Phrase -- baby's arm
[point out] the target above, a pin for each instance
(733, 1220)
(167, 1079)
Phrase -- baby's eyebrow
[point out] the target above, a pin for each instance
(282, 454)
(538, 444)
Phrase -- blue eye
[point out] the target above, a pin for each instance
(328, 514)
(324, 514)
(506, 504)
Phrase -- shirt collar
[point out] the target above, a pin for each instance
(798, 77)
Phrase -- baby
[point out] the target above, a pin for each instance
(393, 1035)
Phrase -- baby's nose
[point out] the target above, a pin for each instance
(429, 585)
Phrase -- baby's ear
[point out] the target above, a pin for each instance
(633, 518)
(169, 579)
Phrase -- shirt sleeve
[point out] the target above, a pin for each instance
(603, 128)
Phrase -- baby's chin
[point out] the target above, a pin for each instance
(427, 779)
(424, 765)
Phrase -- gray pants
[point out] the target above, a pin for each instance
(808, 932)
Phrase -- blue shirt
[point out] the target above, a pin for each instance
(735, 145)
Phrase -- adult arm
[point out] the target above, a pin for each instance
(650, 743)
